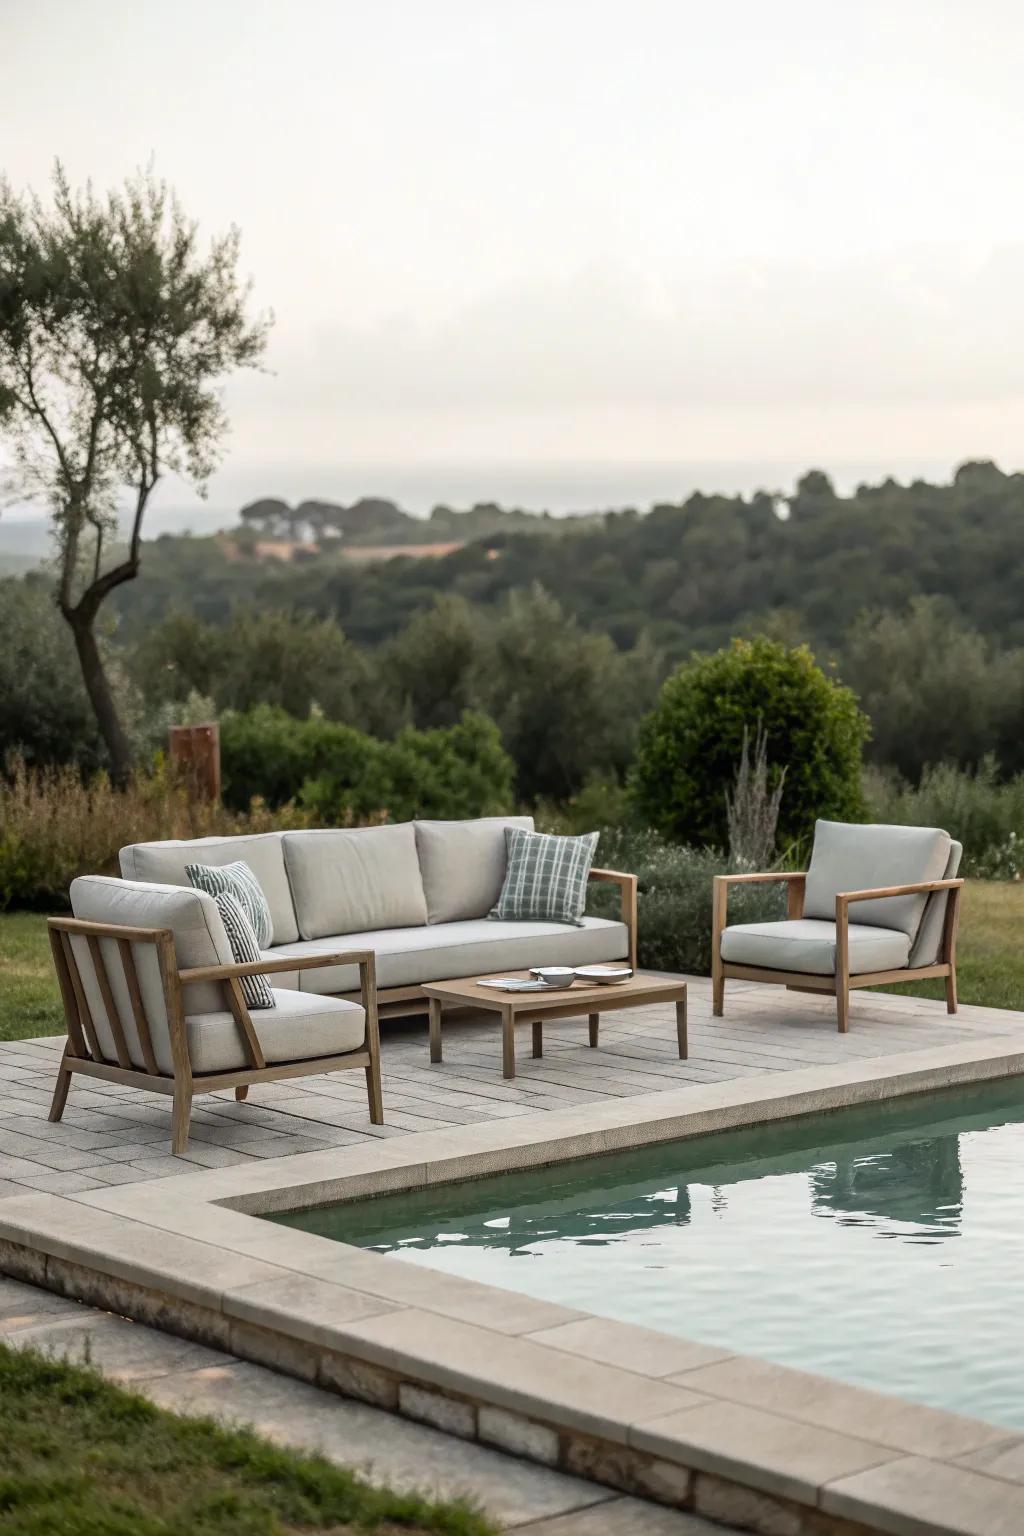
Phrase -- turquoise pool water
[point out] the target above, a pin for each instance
(883, 1245)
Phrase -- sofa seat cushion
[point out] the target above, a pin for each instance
(355, 879)
(407, 957)
(263, 852)
(808, 945)
(463, 864)
(850, 857)
(298, 1027)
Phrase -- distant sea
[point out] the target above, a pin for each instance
(561, 489)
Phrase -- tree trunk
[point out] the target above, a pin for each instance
(97, 686)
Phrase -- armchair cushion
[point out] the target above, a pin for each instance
(299, 1027)
(851, 857)
(928, 943)
(808, 945)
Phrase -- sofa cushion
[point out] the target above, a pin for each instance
(298, 1026)
(165, 863)
(199, 939)
(849, 857)
(352, 880)
(546, 878)
(245, 950)
(407, 957)
(928, 943)
(808, 945)
(463, 864)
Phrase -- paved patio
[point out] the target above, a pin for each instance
(115, 1135)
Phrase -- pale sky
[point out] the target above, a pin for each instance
(573, 243)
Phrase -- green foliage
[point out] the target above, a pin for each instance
(977, 808)
(674, 898)
(44, 711)
(935, 690)
(82, 1455)
(690, 747)
(341, 775)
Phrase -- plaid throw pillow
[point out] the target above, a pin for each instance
(240, 881)
(256, 990)
(545, 877)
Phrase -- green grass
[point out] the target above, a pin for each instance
(80, 1455)
(990, 961)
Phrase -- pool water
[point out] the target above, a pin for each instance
(883, 1246)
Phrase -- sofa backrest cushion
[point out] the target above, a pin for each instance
(463, 865)
(928, 943)
(851, 857)
(164, 863)
(199, 939)
(350, 880)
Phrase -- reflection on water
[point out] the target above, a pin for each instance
(745, 1239)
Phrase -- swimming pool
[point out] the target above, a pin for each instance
(883, 1246)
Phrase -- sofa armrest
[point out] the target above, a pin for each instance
(627, 884)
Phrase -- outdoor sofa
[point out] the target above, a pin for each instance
(362, 918)
(901, 884)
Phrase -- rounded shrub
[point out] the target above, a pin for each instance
(690, 746)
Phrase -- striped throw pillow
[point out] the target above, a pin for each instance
(256, 990)
(239, 879)
(545, 877)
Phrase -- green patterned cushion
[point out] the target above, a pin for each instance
(256, 990)
(545, 877)
(239, 880)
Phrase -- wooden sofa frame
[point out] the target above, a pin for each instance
(841, 984)
(83, 1052)
(393, 1002)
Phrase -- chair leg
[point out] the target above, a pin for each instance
(951, 997)
(60, 1090)
(842, 1006)
(373, 1092)
(242, 1092)
(180, 1115)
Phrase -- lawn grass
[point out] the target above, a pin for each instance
(78, 1454)
(990, 961)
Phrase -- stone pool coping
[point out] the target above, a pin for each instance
(766, 1448)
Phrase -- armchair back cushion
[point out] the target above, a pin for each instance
(851, 857)
(164, 863)
(199, 939)
(352, 880)
(463, 865)
(927, 945)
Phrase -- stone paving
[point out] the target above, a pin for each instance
(116, 1135)
(189, 1378)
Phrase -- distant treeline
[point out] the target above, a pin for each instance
(681, 576)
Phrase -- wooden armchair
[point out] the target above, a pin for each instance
(158, 1004)
(907, 933)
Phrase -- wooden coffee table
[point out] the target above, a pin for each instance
(555, 1003)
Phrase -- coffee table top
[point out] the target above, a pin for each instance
(467, 991)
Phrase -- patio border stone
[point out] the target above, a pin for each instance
(773, 1451)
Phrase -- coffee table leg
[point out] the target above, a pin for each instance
(435, 1029)
(684, 1049)
(592, 1020)
(538, 1037)
(508, 1044)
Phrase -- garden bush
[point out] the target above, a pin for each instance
(340, 775)
(979, 809)
(54, 825)
(674, 898)
(690, 746)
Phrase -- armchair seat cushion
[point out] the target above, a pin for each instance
(298, 1027)
(808, 945)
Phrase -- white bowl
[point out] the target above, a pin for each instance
(603, 975)
(554, 975)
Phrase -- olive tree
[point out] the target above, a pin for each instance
(116, 327)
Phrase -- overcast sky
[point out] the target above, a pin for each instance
(568, 243)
